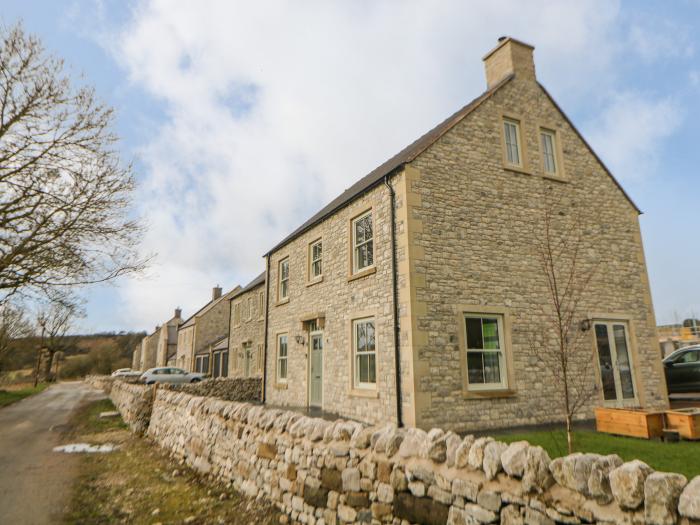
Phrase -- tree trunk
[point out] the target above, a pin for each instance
(569, 434)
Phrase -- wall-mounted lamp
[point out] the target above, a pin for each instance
(585, 325)
(299, 339)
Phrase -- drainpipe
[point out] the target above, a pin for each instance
(395, 291)
(267, 315)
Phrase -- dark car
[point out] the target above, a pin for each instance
(683, 370)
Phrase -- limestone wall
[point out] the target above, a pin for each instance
(134, 403)
(229, 389)
(325, 472)
(103, 383)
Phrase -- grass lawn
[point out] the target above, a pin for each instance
(683, 457)
(7, 397)
(139, 484)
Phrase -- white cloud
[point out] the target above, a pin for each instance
(273, 108)
(629, 131)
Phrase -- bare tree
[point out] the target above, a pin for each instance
(54, 321)
(563, 347)
(13, 325)
(64, 194)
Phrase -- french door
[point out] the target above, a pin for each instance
(615, 363)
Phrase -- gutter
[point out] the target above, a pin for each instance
(395, 294)
(267, 316)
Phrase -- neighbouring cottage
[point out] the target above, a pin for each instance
(205, 329)
(136, 357)
(149, 350)
(247, 330)
(167, 340)
(416, 296)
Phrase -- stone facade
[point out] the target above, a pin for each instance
(149, 350)
(247, 330)
(167, 339)
(203, 329)
(323, 472)
(466, 224)
(136, 358)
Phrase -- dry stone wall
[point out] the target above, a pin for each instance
(229, 389)
(134, 402)
(321, 472)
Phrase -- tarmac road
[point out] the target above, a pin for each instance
(35, 482)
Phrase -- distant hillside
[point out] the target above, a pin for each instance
(84, 354)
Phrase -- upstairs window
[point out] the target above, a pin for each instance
(363, 242)
(261, 304)
(315, 260)
(549, 156)
(283, 290)
(511, 132)
(237, 314)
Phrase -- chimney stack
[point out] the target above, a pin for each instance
(216, 292)
(509, 57)
(178, 313)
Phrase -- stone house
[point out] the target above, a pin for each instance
(149, 350)
(205, 328)
(416, 295)
(136, 357)
(247, 330)
(167, 340)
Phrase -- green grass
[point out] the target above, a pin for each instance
(7, 397)
(683, 457)
(87, 420)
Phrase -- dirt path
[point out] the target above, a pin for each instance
(35, 482)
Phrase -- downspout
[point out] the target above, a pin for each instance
(395, 292)
(267, 314)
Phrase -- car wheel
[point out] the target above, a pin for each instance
(151, 383)
(195, 380)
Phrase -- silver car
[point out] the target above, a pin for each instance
(169, 374)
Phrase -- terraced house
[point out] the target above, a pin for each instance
(202, 340)
(416, 295)
(246, 339)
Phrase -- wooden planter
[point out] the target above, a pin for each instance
(685, 421)
(629, 422)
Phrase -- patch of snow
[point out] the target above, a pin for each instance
(75, 448)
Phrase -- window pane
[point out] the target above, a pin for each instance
(511, 136)
(224, 365)
(283, 369)
(490, 333)
(548, 153)
(372, 365)
(623, 362)
(474, 338)
(605, 359)
(492, 368)
(370, 337)
(475, 367)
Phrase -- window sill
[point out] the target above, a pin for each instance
(283, 301)
(281, 386)
(488, 394)
(315, 281)
(371, 393)
(517, 169)
(362, 273)
(557, 178)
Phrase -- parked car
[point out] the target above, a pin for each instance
(169, 374)
(126, 372)
(682, 369)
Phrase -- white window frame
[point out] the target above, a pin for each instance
(283, 282)
(312, 261)
(281, 358)
(356, 354)
(356, 246)
(503, 355)
(517, 145)
(555, 162)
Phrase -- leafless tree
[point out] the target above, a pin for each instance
(13, 325)
(563, 347)
(64, 194)
(53, 322)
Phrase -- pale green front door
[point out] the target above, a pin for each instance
(316, 370)
(247, 358)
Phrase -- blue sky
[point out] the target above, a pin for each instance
(288, 103)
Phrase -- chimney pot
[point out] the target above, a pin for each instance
(216, 292)
(509, 57)
(178, 312)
